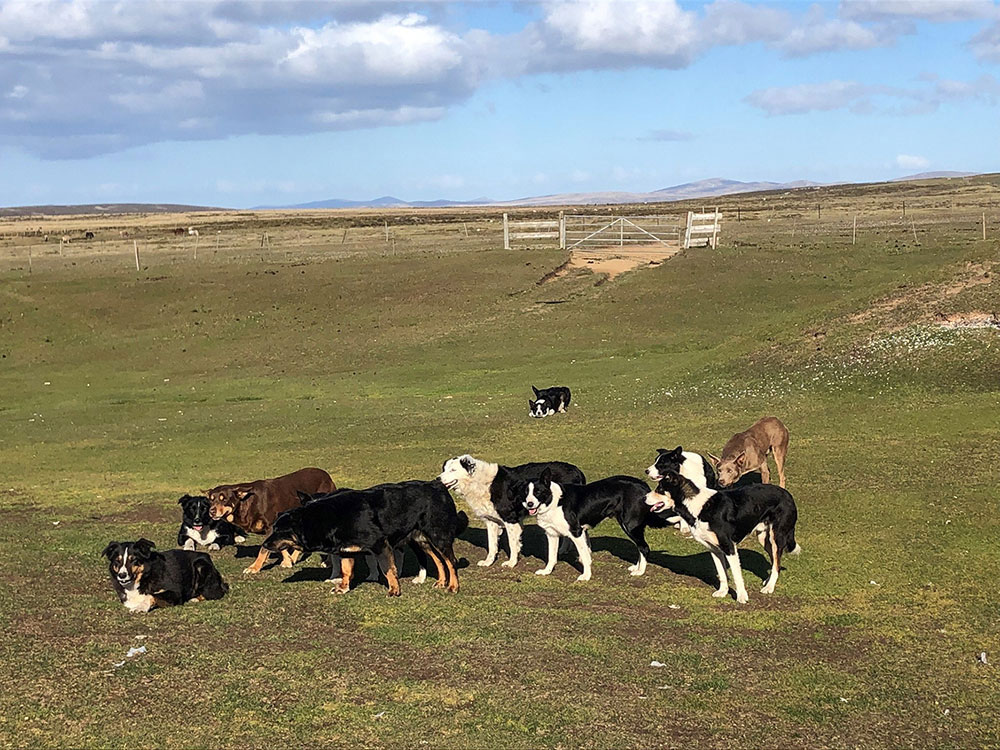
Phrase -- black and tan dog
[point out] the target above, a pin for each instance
(199, 528)
(378, 519)
(144, 578)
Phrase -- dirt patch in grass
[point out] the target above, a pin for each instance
(612, 262)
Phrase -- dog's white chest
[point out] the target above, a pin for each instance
(136, 602)
(205, 536)
(554, 520)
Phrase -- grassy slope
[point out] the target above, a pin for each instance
(163, 385)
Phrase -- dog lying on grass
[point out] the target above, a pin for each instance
(721, 519)
(144, 578)
(747, 451)
(548, 401)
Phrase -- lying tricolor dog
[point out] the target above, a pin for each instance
(144, 578)
(548, 401)
(199, 528)
(721, 519)
(570, 510)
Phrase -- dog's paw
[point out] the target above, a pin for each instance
(419, 578)
(742, 597)
(213, 547)
(250, 571)
(485, 563)
(632, 568)
(286, 564)
(720, 593)
(767, 589)
(239, 539)
(634, 571)
(339, 589)
(508, 563)
(583, 577)
(542, 572)
(189, 544)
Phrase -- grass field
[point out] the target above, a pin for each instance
(122, 391)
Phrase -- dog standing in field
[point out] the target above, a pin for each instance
(144, 578)
(548, 401)
(747, 451)
(571, 510)
(375, 520)
(253, 506)
(488, 490)
(721, 519)
(197, 526)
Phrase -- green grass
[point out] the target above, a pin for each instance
(122, 392)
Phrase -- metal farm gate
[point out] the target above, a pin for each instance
(584, 231)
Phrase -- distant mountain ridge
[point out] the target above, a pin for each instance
(710, 188)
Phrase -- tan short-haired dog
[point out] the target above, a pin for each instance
(747, 451)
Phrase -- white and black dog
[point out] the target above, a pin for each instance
(570, 510)
(693, 466)
(197, 526)
(548, 401)
(721, 519)
(488, 490)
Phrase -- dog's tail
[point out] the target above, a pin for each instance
(462, 523)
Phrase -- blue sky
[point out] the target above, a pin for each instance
(249, 103)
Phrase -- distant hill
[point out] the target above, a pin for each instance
(105, 208)
(934, 176)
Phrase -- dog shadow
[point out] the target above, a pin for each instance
(318, 572)
(698, 566)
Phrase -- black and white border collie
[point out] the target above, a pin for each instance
(488, 490)
(570, 510)
(198, 527)
(693, 466)
(548, 401)
(144, 578)
(721, 519)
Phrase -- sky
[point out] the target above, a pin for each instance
(239, 104)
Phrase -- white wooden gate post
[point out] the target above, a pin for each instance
(687, 232)
(506, 234)
(562, 230)
(715, 232)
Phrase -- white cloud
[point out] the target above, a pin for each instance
(986, 44)
(909, 161)
(927, 95)
(931, 10)
(833, 34)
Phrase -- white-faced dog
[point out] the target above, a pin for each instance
(721, 519)
(488, 490)
(548, 401)
(570, 510)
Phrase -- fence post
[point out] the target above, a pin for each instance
(621, 232)
(386, 231)
(715, 230)
(29, 260)
(562, 230)
(506, 233)
(687, 232)
(854, 236)
(135, 244)
(984, 225)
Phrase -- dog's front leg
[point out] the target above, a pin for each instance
(514, 540)
(262, 557)
(720, 569)
(492, 537)
(553, 539)
(734, 565)
(583, 550)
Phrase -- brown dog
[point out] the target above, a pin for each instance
(253, 506)
(747, 451)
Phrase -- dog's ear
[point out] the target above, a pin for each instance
(111, 549)
(740, 458)
(468, 463)
(531, 405)
(184, 499)
(241, 495)
(535, 391)
(661, 451)
(546, 476)
(144, 546)
(679, 452)
(715, 459)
